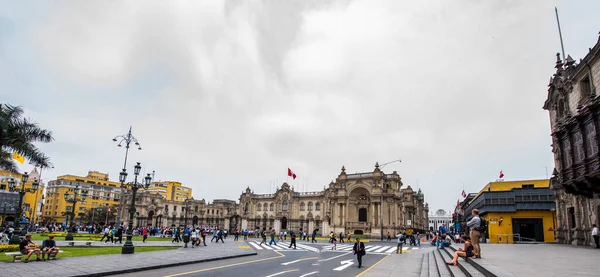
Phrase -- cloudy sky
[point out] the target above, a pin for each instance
(228, 94)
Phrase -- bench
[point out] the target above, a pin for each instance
(17, 256)
(86, 242)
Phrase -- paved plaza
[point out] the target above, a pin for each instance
(103, 265)
(503, 259)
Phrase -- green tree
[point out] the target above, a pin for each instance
(99, 214)
(18, 134)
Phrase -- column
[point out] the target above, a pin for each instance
(277, 225)
(244, 224)
(344, 214)
(311, 227)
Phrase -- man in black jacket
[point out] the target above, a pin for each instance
(359, 251)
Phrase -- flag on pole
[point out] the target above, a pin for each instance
(464, 195)
(501, 174)
(457, 203)
(18, 157)
(291, 174)
(108, 209)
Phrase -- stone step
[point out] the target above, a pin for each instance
(443, 268)
(463, 265)
(424, 266)
(483, 266)
(433, 270)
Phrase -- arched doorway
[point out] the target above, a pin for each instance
(265, 219)
(150, 216)
(284, 223)
(362, 215)
(159, 221)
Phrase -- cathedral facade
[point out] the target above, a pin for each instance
(574, 108)
(371, 203)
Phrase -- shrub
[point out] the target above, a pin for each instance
(8, 248)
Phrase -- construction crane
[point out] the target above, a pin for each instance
(383, 165)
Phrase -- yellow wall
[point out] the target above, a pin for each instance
(55, 204)
(171, 190)
(508, 185)
(29, 199)
(506, 227)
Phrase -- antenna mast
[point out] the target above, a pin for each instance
(562, 46)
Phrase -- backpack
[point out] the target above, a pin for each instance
(482, 225)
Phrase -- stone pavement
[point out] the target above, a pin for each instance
(514, 259)
(104, 265)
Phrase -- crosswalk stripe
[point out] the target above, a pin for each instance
(370, 247)
(382, 249)
(308, 248)
(344, 247)
(267, 247)
(255, 245)
(373, 249)
(391, 249)
(276, 246)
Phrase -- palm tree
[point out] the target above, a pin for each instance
(17, 134)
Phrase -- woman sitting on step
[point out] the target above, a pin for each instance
(468, 252)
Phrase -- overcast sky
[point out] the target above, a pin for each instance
(228, 94)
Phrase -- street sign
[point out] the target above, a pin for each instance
(345, 264)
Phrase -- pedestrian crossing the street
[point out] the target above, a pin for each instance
(282, 246)
(371, 249)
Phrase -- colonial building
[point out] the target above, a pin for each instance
(438, 219)
(574, 108)
(362, 203)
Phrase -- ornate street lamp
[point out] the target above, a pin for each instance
(20, 188)
(128, 247)
(187, 203)
(127, 139)
(73, 198)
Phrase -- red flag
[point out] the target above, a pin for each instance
(457, 203)
(291, 174)
(108, 207)
(464, 194)
(501, 174)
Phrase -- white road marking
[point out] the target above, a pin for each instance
(255, 245)
(382, 249)
(308, 248)
(394, 248)
(279, 273)
(373, 249)
(293, 262)
(334, 257)
(267, 247)
(345, 264)
(307, 274)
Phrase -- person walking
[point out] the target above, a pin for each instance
(245, 234)
(596, 235)
(341, 237)
(334, 240)
(119, 235)
(292, 240)
(272, 238)
(314, 235)
(203, 235)
(263, 235)
(475, 232)
(144, 234)
(236, 235)
(359, 251)
(220, 236)
(401, 240)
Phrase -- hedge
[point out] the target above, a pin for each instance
(9, 248)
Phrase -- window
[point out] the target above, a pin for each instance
(527, 186)
(318, 206)
(259, 207)
(566, 147)
(310, 206)
(284, 205)
(578, 141)
(302, 206)
(272, 207)
(590, 139)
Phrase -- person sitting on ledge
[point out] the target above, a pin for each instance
(469, 251)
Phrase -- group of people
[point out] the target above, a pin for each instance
(48, 247)
(471, 247)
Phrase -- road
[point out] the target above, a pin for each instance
(308, 259)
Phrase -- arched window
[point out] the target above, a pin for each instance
(310, 206)
(318, 206)
(272, 207)
(259, 207)
(284, 205)
(266, 206)
(561, 108)
(302, 206)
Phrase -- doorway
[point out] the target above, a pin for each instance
(362, 215)
(284, 223)
(529, 228)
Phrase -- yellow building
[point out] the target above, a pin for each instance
(100, 190)
(516, 211)
(171, 190)
(31, 200)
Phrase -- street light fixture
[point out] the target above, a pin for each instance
(20, 188)
(128, 247)
(73, 198)
(187, 203)
(128, 139)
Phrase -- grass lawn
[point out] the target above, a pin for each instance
(69, 252)
(38, 237)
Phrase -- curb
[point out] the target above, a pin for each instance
(131, 270)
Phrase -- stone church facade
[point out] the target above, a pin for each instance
(361, 203)
(574, 108)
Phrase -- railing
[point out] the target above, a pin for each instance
(362, 225)
(517, 238)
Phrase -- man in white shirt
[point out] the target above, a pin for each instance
(194, 237)
(596, 235)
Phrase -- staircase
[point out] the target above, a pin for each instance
(434, 265)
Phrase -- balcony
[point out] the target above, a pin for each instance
(358, 225)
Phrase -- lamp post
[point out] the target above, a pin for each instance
(127, 139)
(20, 188)
(128, 247)
(73, 198)
(186, 202)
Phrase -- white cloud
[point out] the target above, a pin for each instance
(230, 93)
